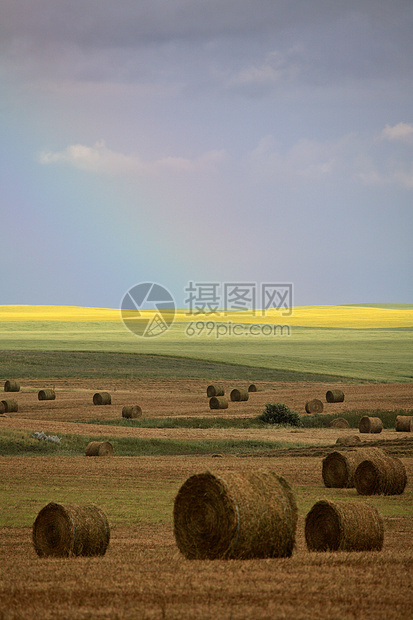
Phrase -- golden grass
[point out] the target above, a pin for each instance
(356, 317)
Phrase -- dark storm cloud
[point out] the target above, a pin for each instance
(331, 39)
(130, 22)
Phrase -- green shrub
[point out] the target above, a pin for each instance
(279, 413)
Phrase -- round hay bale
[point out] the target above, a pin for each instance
(99, 448)
(314, 406)
(46, 395)
(380, 475)
(239, 395)
(215, 390)
(102, 398)
(252, 388)
(218, 402)
(348, 440)
(8, 406)
(235, 515)
(65, 531)
(334, 396)
(338, 468)
(370, 425)
(339, 423)
(344, 526)
(131, 411)
(12, 386)
(411, 425)
(403, 423)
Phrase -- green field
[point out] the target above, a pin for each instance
(380, 355)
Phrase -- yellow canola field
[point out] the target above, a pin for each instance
(356, 317)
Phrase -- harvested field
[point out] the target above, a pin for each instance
(310, 436)
(144, 575)
(179, 397)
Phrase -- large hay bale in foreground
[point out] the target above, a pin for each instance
(252, 388)
(218, 402)
(403, 423)
(46, 395)
(215, 390)
(348, 440)
(338, 468)
(8, 406)
(380, 474)
(239, 395)
(314, 406)
(235, 515)
(99, 448)
(344, 526)
(370, 425)
(102, 398)
(64, 531)
(334, 396)
(339, 423)
(11, 385)
(131, 411)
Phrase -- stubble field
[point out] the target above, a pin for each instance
(365, 351)
(143, 574)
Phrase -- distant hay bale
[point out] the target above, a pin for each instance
(339, 423)
(218, 402)
(235, 515)
(102, 398)
(314, 406)
(348, 440)
(215, 390)
(12, 386)
(403, 423)
(252, 388)
(99, 448)
(65, 531)
(370, 425)
(239, 395)
(8, 406)
(46, 395)
(338, 468)
(344, 526)
(131, 411)
(334, 396)
(380, 475)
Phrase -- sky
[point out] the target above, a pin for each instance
(206, 141)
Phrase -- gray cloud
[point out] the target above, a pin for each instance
(100, 39)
